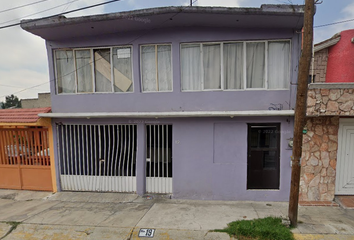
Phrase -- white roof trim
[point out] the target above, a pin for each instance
(326, 44)
(170, 114)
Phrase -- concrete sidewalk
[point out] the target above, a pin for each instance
(75, 215)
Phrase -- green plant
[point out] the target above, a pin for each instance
(270, 228)
(13, 227)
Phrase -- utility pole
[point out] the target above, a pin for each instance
(300, 109)
(191, 3)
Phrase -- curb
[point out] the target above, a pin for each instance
(323, 237)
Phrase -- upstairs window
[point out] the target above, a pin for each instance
(235, 65)
(156, 68)
(94, 70)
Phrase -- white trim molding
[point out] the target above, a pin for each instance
(253, 113)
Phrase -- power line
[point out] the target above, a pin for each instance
(25, 5)
(41, 11)
(67, 12)
(334, 23)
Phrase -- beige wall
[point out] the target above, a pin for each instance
(43, 100)
(320, 65)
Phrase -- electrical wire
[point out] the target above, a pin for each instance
(25, 5)
(48, 9)
(59, 14)
(334, 23)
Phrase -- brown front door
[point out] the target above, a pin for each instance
(263, 156)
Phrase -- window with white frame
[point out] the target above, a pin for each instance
(94, 70)
(235, 65)
(156, 68)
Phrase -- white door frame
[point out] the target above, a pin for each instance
(345, 158)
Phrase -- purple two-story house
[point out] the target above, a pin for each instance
(196, 102)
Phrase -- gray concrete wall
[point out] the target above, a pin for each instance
(43, 100)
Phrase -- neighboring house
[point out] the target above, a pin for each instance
(196, 102)
(42, 101)
(327, 161)
(26, 141)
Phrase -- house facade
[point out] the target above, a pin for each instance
(196, 102)
(327, 159)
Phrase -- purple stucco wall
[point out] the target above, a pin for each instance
(177, 100)
(203, 166)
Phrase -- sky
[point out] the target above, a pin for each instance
(23, 57)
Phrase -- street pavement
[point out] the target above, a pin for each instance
(88, 215)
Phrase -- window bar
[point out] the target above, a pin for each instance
(76, 158)
(106, 139)
(79, 159)
(44, 147)
(156, 158)
(222, 66)
(120, 155)
(128, 137)
(29, 154)
(38, 144)
(201, 66)
(34, 146)
(113, 159)
(153, 160)
(124, 156)
(41, 145)
(150, 151)
(133, 159)
(28, 147)
(65, 150)
(157, 70)
(59, 149)
(23, 150)
(92, 147)
(244, 66)
(104, 158)
(88, 156)
(2, 150)
(113, 148)
(86, 150)
(266, 65)
(9, 148)
(167, 140)
(16, 148)
(6, 149)
(96, 157)
(158, 150)
(82, 157)
(23, 146)
(3, 140)
(163, 151)
(70, 160)
(117, 150)
(111, 155)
